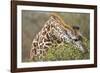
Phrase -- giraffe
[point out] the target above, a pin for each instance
(55, 30)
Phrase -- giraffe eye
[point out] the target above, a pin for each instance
(76, 40)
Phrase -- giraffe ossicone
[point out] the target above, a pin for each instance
(55, 30)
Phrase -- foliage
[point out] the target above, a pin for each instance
(64, 51)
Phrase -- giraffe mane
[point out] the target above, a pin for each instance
(60, 20)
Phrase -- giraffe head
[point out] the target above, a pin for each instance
(66, 33)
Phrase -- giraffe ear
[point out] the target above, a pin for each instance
(76, 27)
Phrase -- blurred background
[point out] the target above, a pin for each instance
(33, 21)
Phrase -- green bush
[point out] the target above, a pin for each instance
(63, 51)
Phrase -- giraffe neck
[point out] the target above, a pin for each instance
(44, 39)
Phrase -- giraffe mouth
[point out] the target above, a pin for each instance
(77, 43)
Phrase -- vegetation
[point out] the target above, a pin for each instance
(63, 51)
